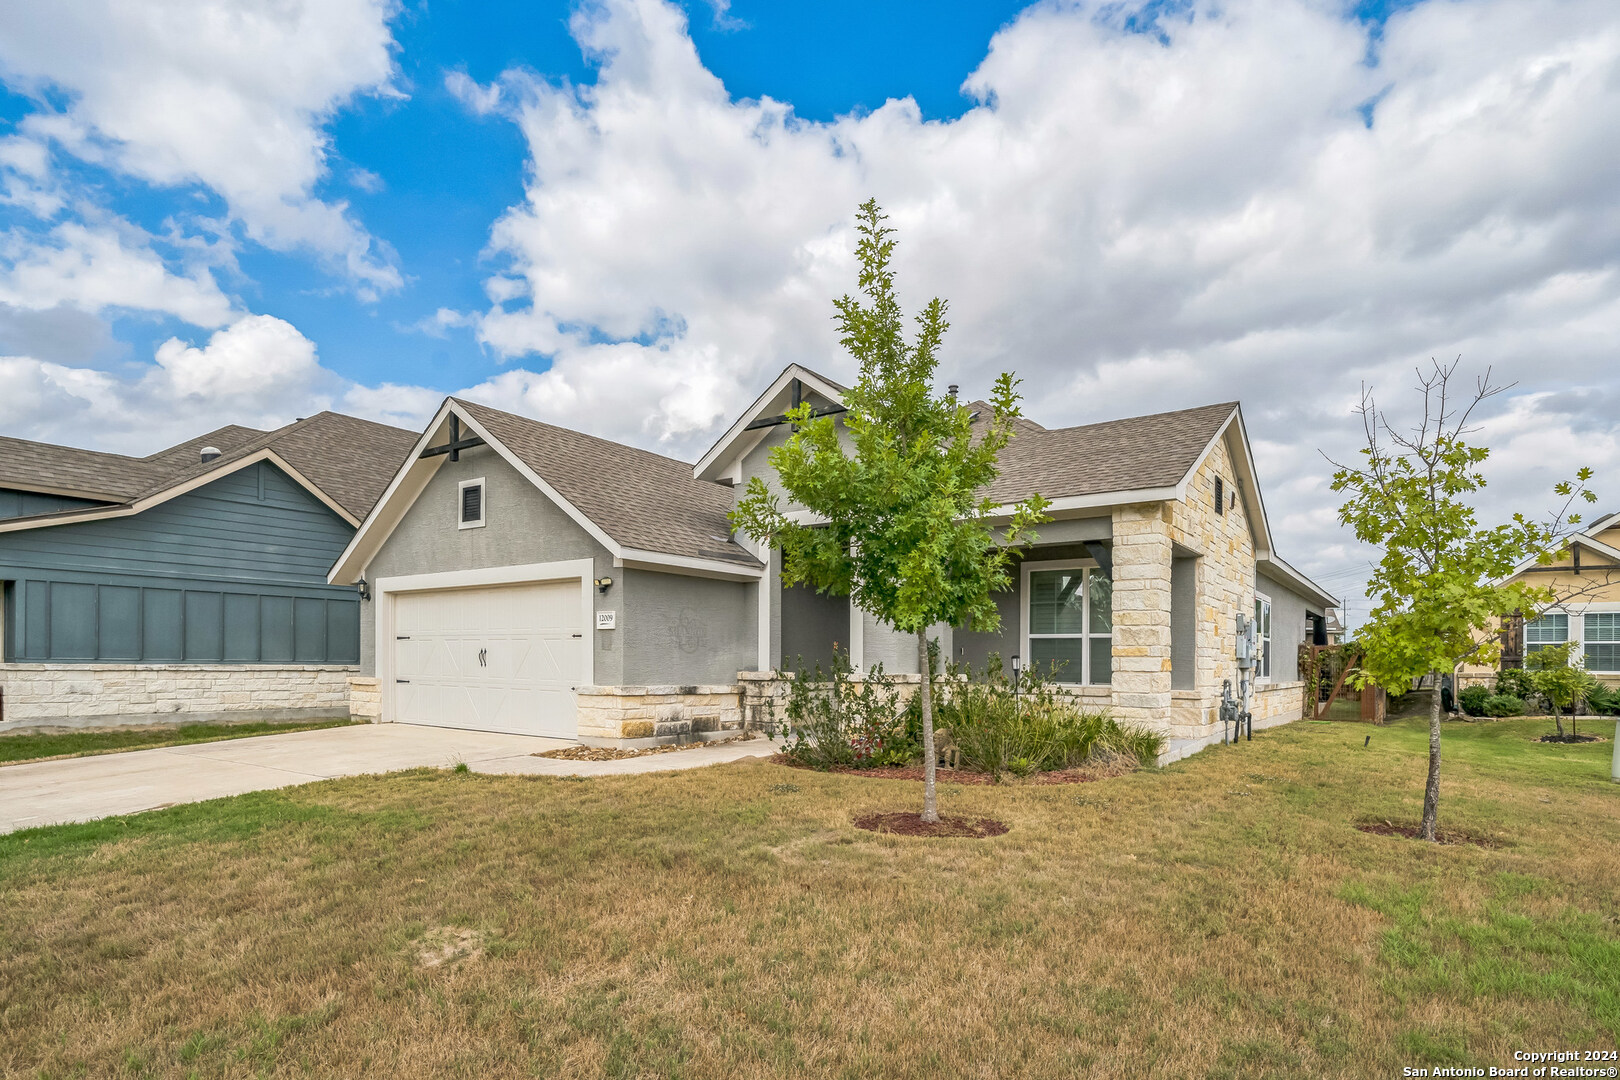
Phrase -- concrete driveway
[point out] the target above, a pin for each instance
(84, 789)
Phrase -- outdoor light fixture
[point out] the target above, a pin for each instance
(602, 584)
(365, 589)
(1015, 676)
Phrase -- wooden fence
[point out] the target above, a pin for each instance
(1327, 671)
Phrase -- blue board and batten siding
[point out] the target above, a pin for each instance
(233, 572)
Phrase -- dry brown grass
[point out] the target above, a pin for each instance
(1222, 917)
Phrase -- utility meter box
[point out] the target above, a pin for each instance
(1245, 643)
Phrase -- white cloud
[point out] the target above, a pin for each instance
(481, 100)
(1132, 223)
(231, 96)
(109, 264)
(258, 371)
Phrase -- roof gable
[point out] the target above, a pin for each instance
(343, 461)
(644, 508)
(778, 397)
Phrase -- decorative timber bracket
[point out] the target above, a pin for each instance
(798, 399)
(456, 444)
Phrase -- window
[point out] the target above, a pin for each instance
(1069, 620)
(1603, 641)
(1262, 651)
(1547, 630)
(1220, 496)
(470, 508)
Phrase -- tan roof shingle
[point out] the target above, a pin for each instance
(640, 499)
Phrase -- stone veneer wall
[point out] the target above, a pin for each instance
(110, 695)
(635, 716)
(1141, 675)
(1225, 588)
(365, 698)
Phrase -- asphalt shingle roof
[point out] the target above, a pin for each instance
(350, 459)
(640, 499)
(1116, 455)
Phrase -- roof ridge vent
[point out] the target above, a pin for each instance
(208, 453)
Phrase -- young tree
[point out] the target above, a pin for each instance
(1560, 676)
(1440, 586)
(902, 525)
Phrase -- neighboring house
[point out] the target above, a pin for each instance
(1335, 628)
(190, 581)
(1587, 585)
(524, 577)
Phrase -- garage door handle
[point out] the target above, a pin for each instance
(402, 680)
(579, 635)
(483, 658)
(402, 637)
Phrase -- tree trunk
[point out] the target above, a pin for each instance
(930, 805)
(1431, 792)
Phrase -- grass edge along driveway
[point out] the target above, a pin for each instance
(1220, 917)
(53, 745)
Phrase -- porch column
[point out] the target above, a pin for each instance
(1142, 649)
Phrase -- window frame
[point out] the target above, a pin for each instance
(1532, 647)
(1587, 641)
(483, 503)
(1086, 636)
(1262, 638)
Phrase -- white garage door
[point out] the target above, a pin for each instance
(497, 659)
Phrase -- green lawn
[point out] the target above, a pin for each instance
(15, 748)
(1221, 917)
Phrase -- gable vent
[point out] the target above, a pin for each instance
(1220, 496)
(208, 453)
(472, 503)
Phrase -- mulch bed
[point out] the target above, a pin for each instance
(614, 753)
(960, 776)
(1415, 832)
(1571, 738)
(909, 823)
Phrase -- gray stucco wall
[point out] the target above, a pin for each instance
(811, 624)
(524, 526)
(671, 628)
(678, 629)
(973, 648)
(1288, 610)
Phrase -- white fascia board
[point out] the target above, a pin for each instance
(73, 517)
(720, 452)
(1096, 501)
(1275, 567)
(1581, 539)
(636, 559)
(1603, 525)
(373, 531)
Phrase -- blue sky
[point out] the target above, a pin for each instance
(443, 177)
(626, 216)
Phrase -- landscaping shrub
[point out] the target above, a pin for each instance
(1036, 729)
(1515, 681)
(1473, 698)
(835, 720)
(1604, 701)
(1503, 705)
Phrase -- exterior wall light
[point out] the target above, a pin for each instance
(602, 584)
(364, 588)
